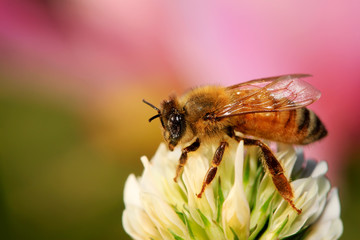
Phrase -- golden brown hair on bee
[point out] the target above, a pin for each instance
(270, 108)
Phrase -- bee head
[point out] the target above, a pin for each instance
(172, 119)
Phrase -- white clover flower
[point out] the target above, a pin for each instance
(240, 203)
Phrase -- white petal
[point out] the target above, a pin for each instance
(287, 157)
(132, 191)
(310, 196)
(320, 169)
(158, 180)
(300, 160)
(149, 181)
(160, 157)
(163, 216)
(236, 212)
(332, 210)
(267, 191)
(193, 175)
(309, 168)
(138, 225)
(329, 225)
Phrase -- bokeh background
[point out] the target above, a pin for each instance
(73, 74)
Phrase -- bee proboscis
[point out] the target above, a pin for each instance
(271, 108)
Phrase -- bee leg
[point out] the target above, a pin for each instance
(231, 133)
(210, 174)
(276, 171)
(183, 158)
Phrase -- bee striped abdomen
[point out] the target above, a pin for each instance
(292, 116)
(304, 119)
(311, 125)
(298, 126)
(308, 127)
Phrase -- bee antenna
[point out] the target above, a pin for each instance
(158, 110)
(156, 116)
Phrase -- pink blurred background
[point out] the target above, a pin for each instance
(97, 60)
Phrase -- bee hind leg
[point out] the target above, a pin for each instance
(183, 158)
(210, 174)
(276, 171)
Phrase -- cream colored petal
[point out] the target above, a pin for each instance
(235, 211)
(149, 180)
(329, 225)
(266, 190)
(287, 158)
(309, 194)
(320, 169)
(193, 176)
(158, 181)
(163, 216)
(132, 191)
(138, 224)
(261, 210)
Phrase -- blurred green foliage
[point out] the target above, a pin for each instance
(53, 184)
(350, 195)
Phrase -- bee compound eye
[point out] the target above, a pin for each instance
(176, 125)
(174, 119)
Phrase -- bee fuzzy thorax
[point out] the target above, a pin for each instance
(199, 104)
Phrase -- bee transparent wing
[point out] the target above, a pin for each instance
(272, 94)
(262, 82)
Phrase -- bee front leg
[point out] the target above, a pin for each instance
(183, 158)
(210, 174)
(276, 171)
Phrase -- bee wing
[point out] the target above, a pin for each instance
(272, 94)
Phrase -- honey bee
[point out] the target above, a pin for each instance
(269, 109)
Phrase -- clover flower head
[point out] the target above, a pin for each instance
(240, 203)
